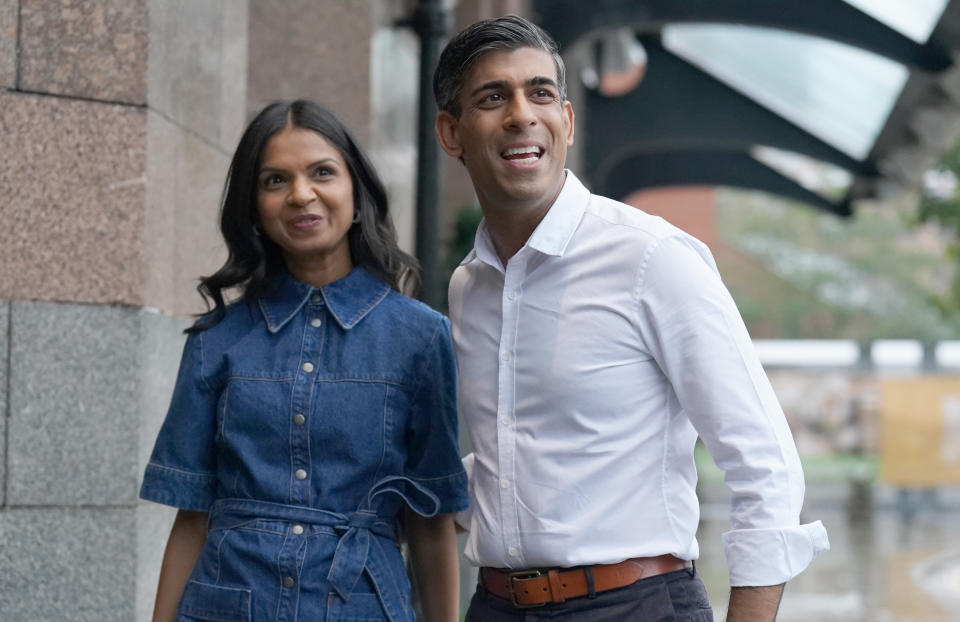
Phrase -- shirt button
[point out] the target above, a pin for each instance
(316, 322)
(512, 295)
(300, 474)
(315, 298)
(505, 356)
(513, 551)
(505, 420)
(504, 484)
(297, 529)
(288, 582)
(299, 419)
(307, 367)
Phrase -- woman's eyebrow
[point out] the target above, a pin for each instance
(265, 168)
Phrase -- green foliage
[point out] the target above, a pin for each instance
(461, 242)
(464, 232)
(805, 274)
(945, 211)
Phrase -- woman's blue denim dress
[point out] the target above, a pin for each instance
(302, 422)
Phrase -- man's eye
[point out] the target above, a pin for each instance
(492, 98)
(543, 94)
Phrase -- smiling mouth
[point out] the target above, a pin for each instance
(527, 154)
(305, 222)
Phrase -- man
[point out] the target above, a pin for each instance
(594, 343)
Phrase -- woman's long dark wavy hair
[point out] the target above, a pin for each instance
(253, 259)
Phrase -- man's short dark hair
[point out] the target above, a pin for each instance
(503, 33)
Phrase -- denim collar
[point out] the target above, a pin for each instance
(349, 299)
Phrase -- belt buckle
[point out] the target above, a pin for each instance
(522, 574)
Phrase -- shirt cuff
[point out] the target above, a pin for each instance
(464, 517)
(186, 490)
(758, 557)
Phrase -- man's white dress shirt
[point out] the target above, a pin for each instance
(587, 368)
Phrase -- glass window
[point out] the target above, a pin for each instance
(821, 177)
(913, 18)
(839, 93)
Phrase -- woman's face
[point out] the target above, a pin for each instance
(305, 201)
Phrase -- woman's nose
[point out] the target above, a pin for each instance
(301, 191)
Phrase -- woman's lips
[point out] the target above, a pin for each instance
(305, 222)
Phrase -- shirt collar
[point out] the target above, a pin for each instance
(349, 299)
(555, 230)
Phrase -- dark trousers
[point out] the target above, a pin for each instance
(671, 597)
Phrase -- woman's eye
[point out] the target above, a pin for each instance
(322, 171)
(272, 180)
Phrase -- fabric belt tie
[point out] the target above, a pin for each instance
(356, 550)
(534, 588)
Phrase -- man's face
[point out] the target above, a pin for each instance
(513, 130)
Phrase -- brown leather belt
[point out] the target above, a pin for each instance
(533, 588)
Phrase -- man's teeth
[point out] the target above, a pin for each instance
(532, 153)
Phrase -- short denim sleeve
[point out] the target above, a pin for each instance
(433, 448)
(182, 468)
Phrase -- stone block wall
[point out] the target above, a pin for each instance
(117, 122)
(76, 544)
(4, 382)
(9, 28)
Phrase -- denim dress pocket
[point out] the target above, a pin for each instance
(202, 601)
(359, 608)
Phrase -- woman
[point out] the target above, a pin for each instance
(315, 412)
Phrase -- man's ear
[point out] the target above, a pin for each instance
(568, 114)
(446, 128)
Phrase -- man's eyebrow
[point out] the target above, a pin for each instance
(542, 81)
(494, 85)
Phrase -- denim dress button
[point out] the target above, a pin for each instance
(288, 582)
(300, 474)
(299, 419)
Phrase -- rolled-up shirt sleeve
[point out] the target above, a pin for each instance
(692, 327)
(464, 517)
(433, 458)
(182, 467)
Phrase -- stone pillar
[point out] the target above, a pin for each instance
(319, 50)
(117, 120)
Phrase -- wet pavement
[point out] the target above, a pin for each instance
(897, 560)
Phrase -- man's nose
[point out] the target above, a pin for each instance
(521, 113)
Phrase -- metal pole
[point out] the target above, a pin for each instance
(431, 22)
